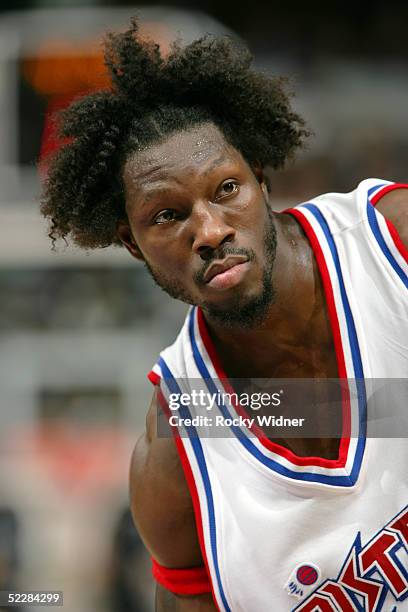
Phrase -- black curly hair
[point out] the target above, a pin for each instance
(209, 80)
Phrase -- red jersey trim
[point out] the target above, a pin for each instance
(187, 581)
(377, 197)
(153, 377)
(340, 462)
(399, 245)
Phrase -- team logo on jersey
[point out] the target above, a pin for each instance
(302, 580)
(368, 575)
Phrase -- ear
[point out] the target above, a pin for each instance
(260, 177)
(125, 235)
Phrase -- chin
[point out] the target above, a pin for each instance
(245, 314)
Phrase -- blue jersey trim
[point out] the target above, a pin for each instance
(352, 334)
(375, 228)
(353, 340)
(375, 188)
(344, 481)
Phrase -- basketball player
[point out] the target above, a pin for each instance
(170, 164)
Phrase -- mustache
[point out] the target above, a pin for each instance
(219, 254)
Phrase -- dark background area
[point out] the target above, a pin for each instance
(377, 29)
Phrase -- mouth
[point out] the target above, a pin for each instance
(226, 273)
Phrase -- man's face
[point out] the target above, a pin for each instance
(199, 219)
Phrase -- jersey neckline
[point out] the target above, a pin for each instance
(343, 470)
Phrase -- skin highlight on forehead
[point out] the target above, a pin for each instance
(187, 149)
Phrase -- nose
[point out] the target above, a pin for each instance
(210, 230)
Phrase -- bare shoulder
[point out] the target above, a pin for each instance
(394, 206)
(160, 500)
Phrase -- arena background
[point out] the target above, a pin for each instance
(79, 332)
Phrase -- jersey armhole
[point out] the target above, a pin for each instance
(374, 199)
(394, 236)
(186, 581)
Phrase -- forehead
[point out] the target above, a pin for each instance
(180, 153)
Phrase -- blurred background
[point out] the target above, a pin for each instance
(79, 331)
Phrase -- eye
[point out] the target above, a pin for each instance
(165, 216)
(228, 188)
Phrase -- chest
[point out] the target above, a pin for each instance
(307, 376)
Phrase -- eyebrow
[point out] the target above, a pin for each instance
(151, 190)
(161, 174)
(215, 164)
(152, 193)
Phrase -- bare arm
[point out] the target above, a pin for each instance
(163, 512)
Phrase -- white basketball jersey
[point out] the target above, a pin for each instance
(281, 532)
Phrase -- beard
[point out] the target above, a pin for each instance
(240, 311)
